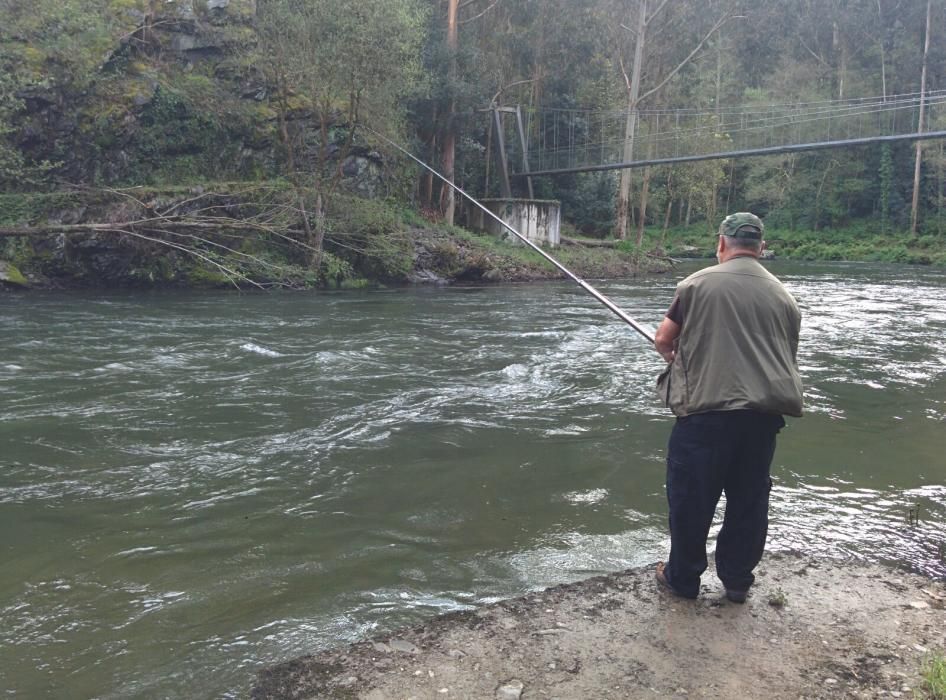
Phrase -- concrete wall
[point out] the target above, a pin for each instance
(539, 220)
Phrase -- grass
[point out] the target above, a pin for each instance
(934, 677)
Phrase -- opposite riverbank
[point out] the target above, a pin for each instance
(811, 628)
(263, 235)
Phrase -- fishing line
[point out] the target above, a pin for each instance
(614, 308)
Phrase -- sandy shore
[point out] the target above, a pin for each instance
(810, 629)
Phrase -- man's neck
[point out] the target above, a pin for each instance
(741, 254)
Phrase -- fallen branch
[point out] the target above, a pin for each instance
(163, 224)
(589, 242)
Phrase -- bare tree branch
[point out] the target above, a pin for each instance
(719, 23)
(808, 49)
(656, 12)
(231, 275)
(627, 79)
(212, 227)
(475, 17)
(240, 254)
(506, 87)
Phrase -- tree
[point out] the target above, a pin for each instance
(350, 62)
(447, 197)
(915, 206)
(640, 21)
(459, 77)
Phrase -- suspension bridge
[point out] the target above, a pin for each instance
(558, 141)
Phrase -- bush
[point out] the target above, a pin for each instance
(368, 234)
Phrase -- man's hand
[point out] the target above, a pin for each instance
(665, 340)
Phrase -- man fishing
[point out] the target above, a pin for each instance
(730, 339)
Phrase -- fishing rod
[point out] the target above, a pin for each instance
(620, 313)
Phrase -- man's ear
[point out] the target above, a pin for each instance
(721, 245)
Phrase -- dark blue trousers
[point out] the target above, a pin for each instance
(708, 454)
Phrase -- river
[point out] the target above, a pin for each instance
(194, 485)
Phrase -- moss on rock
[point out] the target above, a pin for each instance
(10, 275)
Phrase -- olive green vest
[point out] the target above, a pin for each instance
(737, 345)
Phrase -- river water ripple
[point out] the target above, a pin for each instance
(196, 485)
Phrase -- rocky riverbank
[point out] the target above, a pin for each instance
(810, 629)
(262, 235)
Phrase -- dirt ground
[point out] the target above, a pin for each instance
(810, 629)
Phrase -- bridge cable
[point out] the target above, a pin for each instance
(672, 135)
(765, 151)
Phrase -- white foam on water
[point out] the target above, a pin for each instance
(113, 367)
(135, 551)
(517, 371)
(566, 430)
(584, 497)
(260, 350)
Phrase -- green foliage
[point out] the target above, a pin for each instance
(18, 250)
(16, 170)
(336, 271)
(367, 216)
(176, 142)
(590, 202)
(205, 276)
(886, 183)
(853, 243)
(22, 209)
(307, 47)
(63, 43)
(11, 160)
(369, 235)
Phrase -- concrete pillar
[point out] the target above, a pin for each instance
(539, 220)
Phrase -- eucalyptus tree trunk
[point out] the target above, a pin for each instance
(841, 47)
(630, 125)
(645, 192)
(883, 52)
(669, 206)
(915, 206)
(634, 98)
(940, 189)
(447, 198)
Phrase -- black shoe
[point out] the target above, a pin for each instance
(736, 596)
(664, 581)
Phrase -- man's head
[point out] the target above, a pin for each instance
(740, 234)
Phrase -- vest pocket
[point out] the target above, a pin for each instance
(663, 385)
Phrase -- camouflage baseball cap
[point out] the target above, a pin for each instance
(742, 225)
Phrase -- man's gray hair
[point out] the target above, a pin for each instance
(753, 244)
